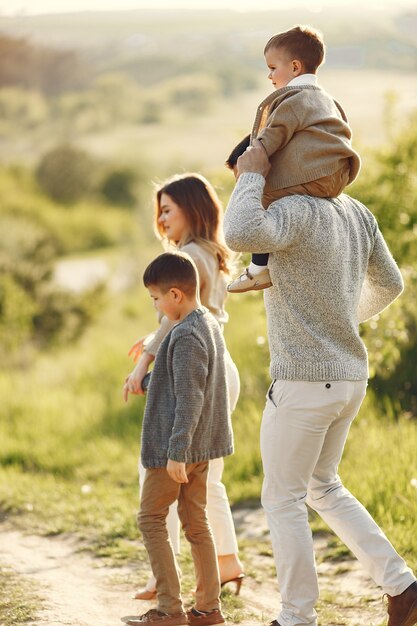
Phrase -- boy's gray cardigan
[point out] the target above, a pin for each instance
(187, 417)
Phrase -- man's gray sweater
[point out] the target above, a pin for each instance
(187, 416)
(330, 268)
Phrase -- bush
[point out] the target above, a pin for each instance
(389, 190)
(17, 309)
(152, 112)
(62, 316)
(21, 110)
(32, 308)
(118, 187)
(195, 97)
(89, 224)
(27, 253)
(66, 173)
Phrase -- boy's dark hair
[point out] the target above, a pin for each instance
(302, 43)
(237, 151)
(172, 269)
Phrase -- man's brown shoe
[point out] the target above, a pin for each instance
(402, 609)
(206, 618)
(157, 618)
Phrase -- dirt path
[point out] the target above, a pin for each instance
(80, 592)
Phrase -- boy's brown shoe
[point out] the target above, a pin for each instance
(249, 282)
(206, 618)
(158, 618)
(402, 609)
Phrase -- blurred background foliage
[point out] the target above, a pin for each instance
(93, 110)
(66, 107)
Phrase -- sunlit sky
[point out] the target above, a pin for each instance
(10, 7)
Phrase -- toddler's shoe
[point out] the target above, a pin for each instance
(204, 618)
(250, 282)
(157, 618)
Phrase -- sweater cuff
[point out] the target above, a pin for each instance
(177, 456)
(253, 178)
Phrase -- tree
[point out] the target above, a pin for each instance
(119, 187)
(26, 65)
(390, 190)
(66, 173)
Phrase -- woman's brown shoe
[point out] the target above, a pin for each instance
(238, 580)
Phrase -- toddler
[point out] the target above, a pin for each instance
(304, 132)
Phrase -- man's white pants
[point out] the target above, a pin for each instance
(218, 507)
(303, 432)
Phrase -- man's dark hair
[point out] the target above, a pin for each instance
(237, 152)
(172, 269)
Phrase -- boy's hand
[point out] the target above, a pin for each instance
(254, 159)
(176, 471)
(128, 388)
(133, 382)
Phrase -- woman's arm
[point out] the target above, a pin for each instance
(158, 337)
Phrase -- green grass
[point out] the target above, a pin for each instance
(131, 143)
(70, 445)
(380, 467)
(85, 226)
(19, 599)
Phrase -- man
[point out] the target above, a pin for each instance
(331, 269)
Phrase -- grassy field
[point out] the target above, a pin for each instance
(19, 599)
(68, 459)
(69, 444)
(190, 142)
(182, 141)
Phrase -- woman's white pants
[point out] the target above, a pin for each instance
(303, 433)
(218, 508)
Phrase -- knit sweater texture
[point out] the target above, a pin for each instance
(330, 268)
(187, 417)
(306, 135)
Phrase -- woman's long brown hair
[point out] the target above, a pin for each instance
(202, 208)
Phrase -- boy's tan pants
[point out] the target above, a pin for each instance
(158, 493)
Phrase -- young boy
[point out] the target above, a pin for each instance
(304, 132)
(186, 423)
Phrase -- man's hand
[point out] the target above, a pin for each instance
(177, 472)
(254, 159)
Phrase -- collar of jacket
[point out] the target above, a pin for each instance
(279, 93)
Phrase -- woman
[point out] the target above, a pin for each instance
(189, 217)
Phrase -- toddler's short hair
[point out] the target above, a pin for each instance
(302, 43)
(172, 269)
